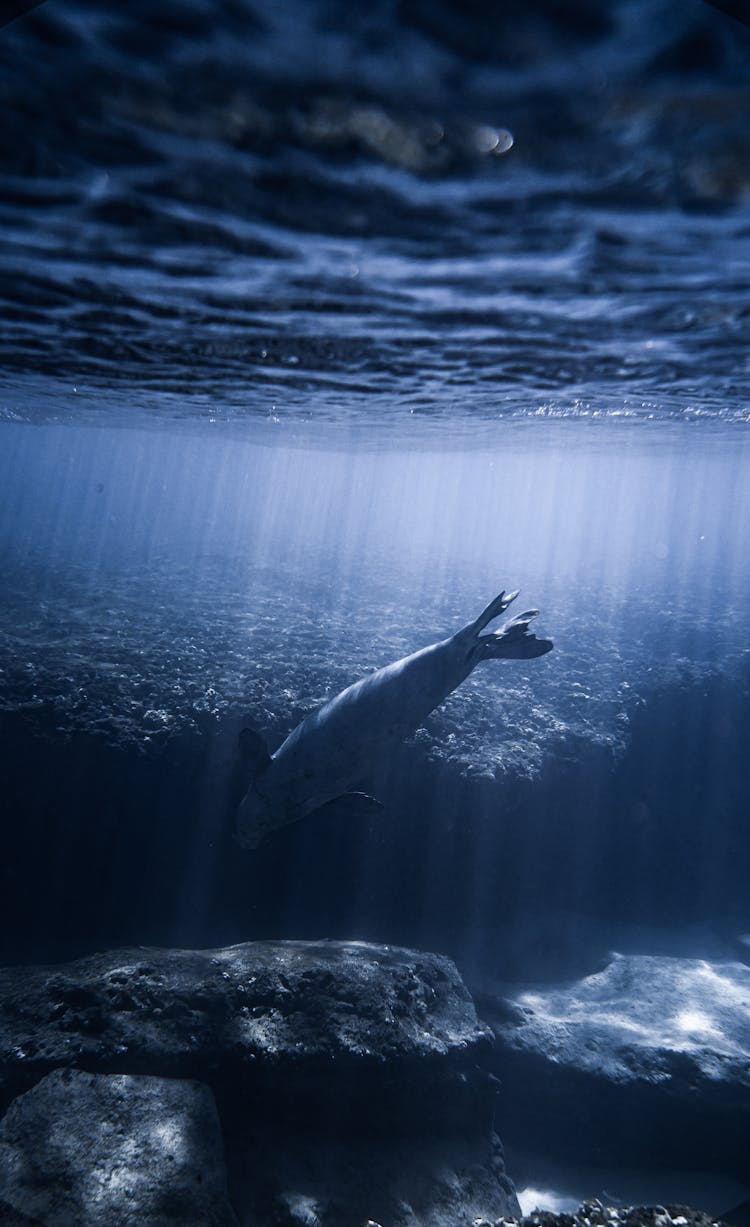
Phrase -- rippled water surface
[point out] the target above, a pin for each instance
(307, 211)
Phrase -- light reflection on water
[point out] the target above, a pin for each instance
(256, 246)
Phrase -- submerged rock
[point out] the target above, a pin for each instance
(90, 1149)
(346, 1075)
(648, 1059)
(597, 1214)
(250, 1016)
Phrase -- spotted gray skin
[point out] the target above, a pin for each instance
(337, 745)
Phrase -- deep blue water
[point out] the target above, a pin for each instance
(320, 325)
(319, 328)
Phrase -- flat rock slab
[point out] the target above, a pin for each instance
(649, 1049)
(252, 1011)
(113, 1150)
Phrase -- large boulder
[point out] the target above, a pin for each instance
(113, 1150)
(319, 1019)
(647, 1061)
(347, 1076)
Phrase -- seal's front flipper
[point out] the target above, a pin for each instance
(352, 805)
(254, 756)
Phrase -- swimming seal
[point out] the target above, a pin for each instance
(332, 749)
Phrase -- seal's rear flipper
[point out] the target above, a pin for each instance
(352, 805)
(518, 649)
(514, 642)
(493, 610)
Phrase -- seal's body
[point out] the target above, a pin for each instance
(333, 748)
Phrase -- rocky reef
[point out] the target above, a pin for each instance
(328, 1083)
(284, 1082)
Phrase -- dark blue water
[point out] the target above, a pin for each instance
(321, 325)
(318, 329)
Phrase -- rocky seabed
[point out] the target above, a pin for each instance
(292, 1084)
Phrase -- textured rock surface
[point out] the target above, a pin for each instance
(347, 1076)
(650, 1057)
(246, 1015)
(90, 1149)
